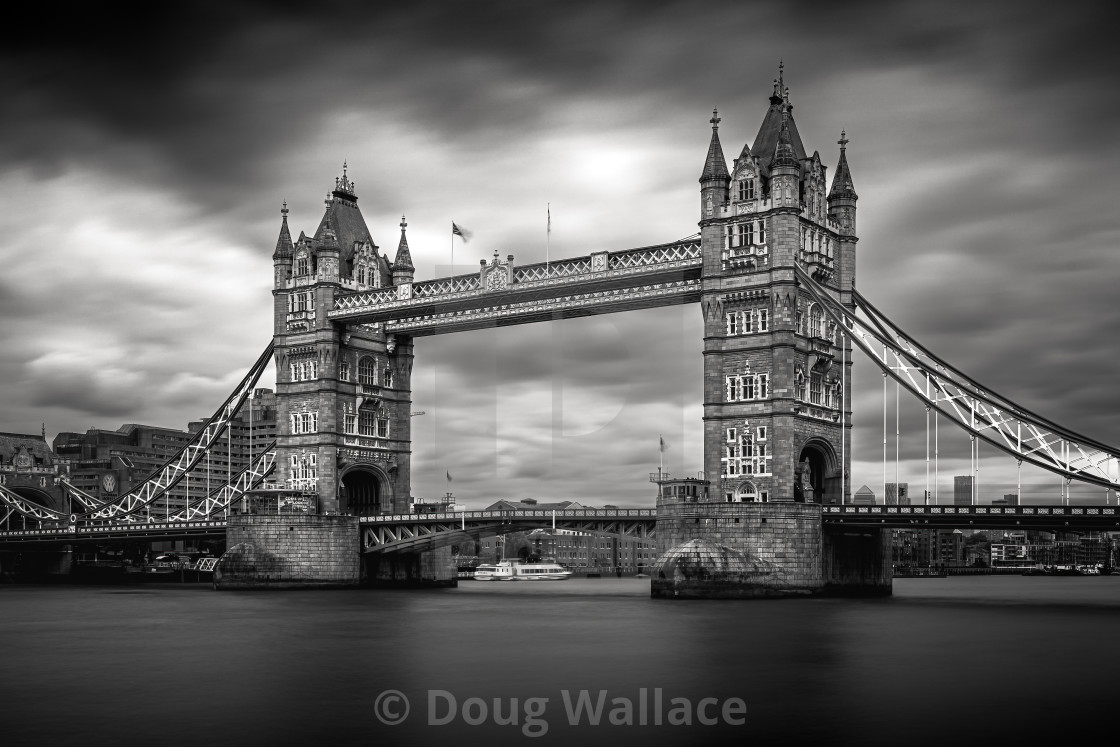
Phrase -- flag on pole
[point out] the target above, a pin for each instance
(449, 477)
(550, 219)
(663, 446)
(457, 230)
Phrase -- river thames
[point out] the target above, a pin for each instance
(943, 661)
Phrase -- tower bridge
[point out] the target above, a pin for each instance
(772, 271)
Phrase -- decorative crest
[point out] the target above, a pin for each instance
(715, 120)
(843, 141)
(343, 183)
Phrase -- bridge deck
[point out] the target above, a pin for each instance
(409, 530)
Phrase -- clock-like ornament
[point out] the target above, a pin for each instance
(22, 460)
(109, 482)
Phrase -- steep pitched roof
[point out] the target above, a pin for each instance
(766, 141)
(842, 185)
(403, 260)
(284, 241)
(36, 445)
(344, 218)
(715, 165)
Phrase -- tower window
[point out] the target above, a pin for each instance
(816, 389)
(816, 322)
(367, 371)
(746, 189)
(744, 387)
(367, 423)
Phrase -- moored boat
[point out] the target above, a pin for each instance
(515, 570)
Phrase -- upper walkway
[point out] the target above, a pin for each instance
(501, 293)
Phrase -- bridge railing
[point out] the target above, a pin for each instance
(560, 272)
(853, 510)
(593, 513)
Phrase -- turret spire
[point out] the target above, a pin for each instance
(842, 185)
(403, 261)
(715, 165)
(343, 187)
(284, 241)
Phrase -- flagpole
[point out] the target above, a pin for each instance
(548, 239)
(452, 248)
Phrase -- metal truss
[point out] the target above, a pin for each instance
(16, 503)
(573, 276)
(166, 477)
(221, 499)
(420, 532)
(84, 499)
(984, 414)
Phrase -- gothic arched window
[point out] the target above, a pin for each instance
(816, 322)
(367, 371)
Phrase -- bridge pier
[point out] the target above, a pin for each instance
(433, 568)
(857, 561)
(758, 550)
(289, 551)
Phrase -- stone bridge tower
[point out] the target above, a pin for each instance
(343, 390)
(776, 369)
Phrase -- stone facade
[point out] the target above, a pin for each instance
(343, 391)
(781, 539)
(777, 379)
(776, 370)
(289, 551)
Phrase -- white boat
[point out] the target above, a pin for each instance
(515, 570)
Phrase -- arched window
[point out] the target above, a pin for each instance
(303, 265)
(816, 322)
(746, 492)
(367, 371)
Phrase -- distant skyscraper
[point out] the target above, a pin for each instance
(864, 496)
(1011, 499)
(898, 494)
(962, 490)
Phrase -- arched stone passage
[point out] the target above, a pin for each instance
(364, 490)
(816, 478)
(50, 500)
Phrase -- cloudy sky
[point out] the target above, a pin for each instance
(144, 159)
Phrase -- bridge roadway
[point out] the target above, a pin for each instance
(411, 532)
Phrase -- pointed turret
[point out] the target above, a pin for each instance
(403, 271)
(284, 241)
(842, 197)
(715, 181)
(784, 155)
(343, 218)
(282, 257)
(715, 165)
(842, 185)
(778, 115)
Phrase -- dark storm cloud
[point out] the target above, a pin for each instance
(983, 150)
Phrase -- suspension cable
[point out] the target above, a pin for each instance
(897, 488)
(884, 429)
(843, 416)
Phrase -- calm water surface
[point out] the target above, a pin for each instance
(943, 661)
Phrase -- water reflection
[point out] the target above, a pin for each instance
(943, 660)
